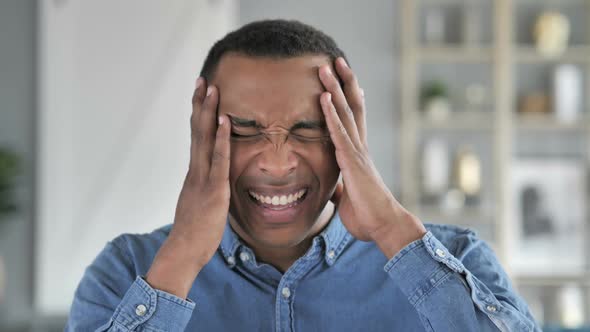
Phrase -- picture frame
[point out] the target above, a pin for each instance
(549, 216)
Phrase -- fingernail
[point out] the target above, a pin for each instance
(329, 97)
(344, 62)
(209, 91)
(362, 93)
(220, 120)
(199, 82)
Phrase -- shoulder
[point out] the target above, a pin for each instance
(460, 241)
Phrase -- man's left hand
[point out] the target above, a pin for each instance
(366, 206)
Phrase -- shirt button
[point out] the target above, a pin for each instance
(440, 252)
(286, 292)
(244, 256)
(331, 254)
(231, 260)
(140, 310)
(491, 308)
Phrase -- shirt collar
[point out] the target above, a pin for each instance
(230, 241)
(335, 237)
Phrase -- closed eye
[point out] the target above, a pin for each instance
(311, 137)
(235, 135)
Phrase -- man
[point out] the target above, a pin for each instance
(292, 228)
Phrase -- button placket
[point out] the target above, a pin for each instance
(285, 290)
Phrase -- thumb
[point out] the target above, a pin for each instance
(337, 193)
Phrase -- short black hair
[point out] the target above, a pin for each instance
(277, 38)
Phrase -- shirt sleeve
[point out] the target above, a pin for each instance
(110, 297)
(467, 291)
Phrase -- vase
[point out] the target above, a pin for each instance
(468, 172)
(551, 33)
(435, 167)
(438, 109)
(567, 93)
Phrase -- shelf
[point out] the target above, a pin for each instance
(455, 53)
(465, 121)
(450, 2)
(548, 2)
(529, 54)
(549, 123)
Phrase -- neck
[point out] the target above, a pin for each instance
(283, 257)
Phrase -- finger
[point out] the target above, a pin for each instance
(205, 133)
(197, 103)
(354, 95)
(220, 158)
(338, 133)
(332, 85)
(199, 93)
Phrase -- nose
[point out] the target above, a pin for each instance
(277, 159)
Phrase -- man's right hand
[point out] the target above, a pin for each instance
(203, 204)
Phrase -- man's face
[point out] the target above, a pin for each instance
(283, 168)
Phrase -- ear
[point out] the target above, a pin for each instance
(337, 195)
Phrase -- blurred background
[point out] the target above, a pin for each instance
(478, 115)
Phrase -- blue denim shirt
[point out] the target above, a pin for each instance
(447, 281)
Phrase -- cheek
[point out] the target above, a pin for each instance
(238, 162)
(322, 159)
(328, 153)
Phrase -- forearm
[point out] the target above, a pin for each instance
(112, 297)
(449, 295)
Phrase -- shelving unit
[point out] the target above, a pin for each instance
(461, 120)
(500, 127)
(460, 53)
(550, 124)
(575, 54)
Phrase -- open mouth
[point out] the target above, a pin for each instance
(278, 202)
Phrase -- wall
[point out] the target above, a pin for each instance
(17, 121)
(116, 80)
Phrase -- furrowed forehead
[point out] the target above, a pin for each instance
(249, 77)
(270, 91)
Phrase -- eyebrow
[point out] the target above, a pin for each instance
(309, 124)
(303, 124)
(239, 122)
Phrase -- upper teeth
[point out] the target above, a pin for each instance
(279, 199)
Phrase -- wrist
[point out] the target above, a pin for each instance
(188, 249)
(174, 268)
(396, 235)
